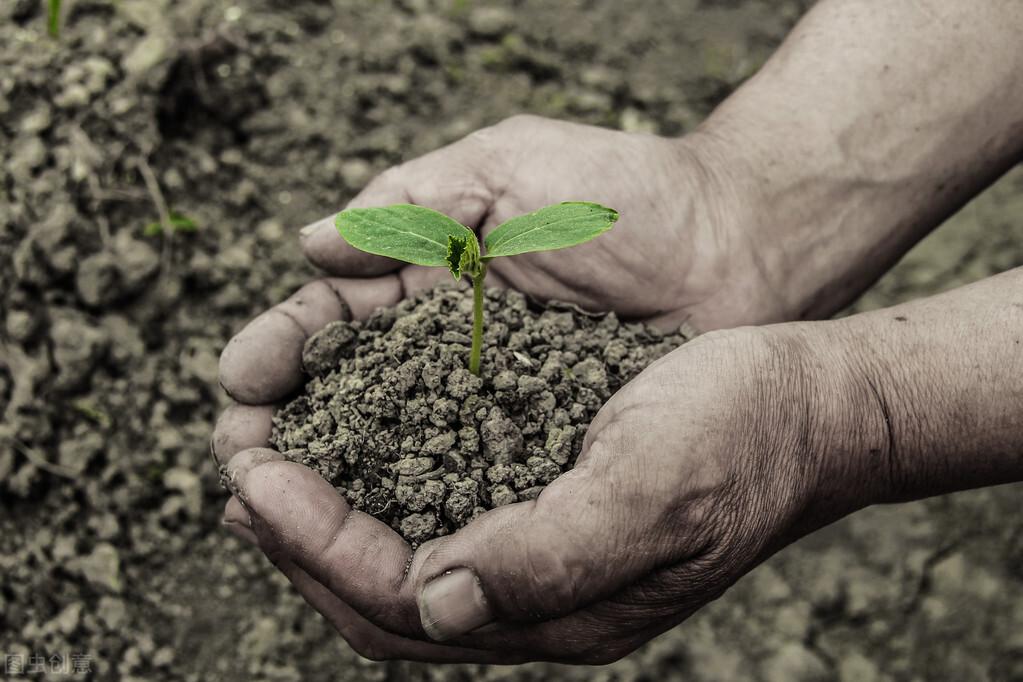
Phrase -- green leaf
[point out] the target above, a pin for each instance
(414, 234)
(553, 227)
(456, 252)
(463, 255)
(182, 223)
(178, 223)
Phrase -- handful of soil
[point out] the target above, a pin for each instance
(394, 420)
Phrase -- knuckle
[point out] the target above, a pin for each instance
(552, 583)
(366, 646)
(519, 121)
(372, 652)
(391, 177)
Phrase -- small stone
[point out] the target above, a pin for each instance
(148, 53)
(21, 325)
(544, 469)
(499, 473)
(326, 348)
(505, 380)
(502, 440)
(68, 619)
(74, 454)
(793, 662)
(491, 22)
(97, 279)
(462, 383)
(857, 668)
(501, 495)
(459, 506)
(418, 528)
(559, 444)
(441, 444)
(590, 373)
(77, 347)
(112, 613)
(186, 483)
(412, 466)
(456, 337)
(454, 461)
(468, 441)
(136, 262)
(356, 173)
(101, 568)
(522, 476)
(27, 154)
(528, 386)
(37, 120)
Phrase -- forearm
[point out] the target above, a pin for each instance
(873, 123)
(925, 397)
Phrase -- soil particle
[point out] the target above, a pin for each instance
(391, 416)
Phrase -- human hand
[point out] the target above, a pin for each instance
(675, 254)
(691, 475)
(679, 251)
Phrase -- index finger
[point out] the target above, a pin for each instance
(263, 362)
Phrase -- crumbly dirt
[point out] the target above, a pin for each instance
(258, 116)
(394, 419)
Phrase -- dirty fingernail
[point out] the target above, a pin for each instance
(317, 226)
(453, 604)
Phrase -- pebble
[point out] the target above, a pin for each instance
(491, 22)
(101, 568)
(186, 483)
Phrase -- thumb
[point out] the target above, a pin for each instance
(593, 531)
(457, 180)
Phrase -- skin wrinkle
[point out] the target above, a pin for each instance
(891, 452)
(346, 311)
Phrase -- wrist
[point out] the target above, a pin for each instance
(722, 205)
(818, 233)
(833, 426)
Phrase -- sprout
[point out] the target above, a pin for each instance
(53, 18)
(422, 236)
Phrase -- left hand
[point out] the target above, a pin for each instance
(691, 475)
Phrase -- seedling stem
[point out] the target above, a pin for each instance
(477, 319)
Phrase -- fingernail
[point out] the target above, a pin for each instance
(241, 532)
(237, 513)
(452, 605)
(315, 227)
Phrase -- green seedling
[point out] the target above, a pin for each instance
(175, 221)
(53, 18)
(422, 236)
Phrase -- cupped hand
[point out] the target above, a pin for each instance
(676, 254)
(679, 252)
(690, 475)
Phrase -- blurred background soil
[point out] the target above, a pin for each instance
(254, 117)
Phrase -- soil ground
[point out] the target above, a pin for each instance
(256, 117)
